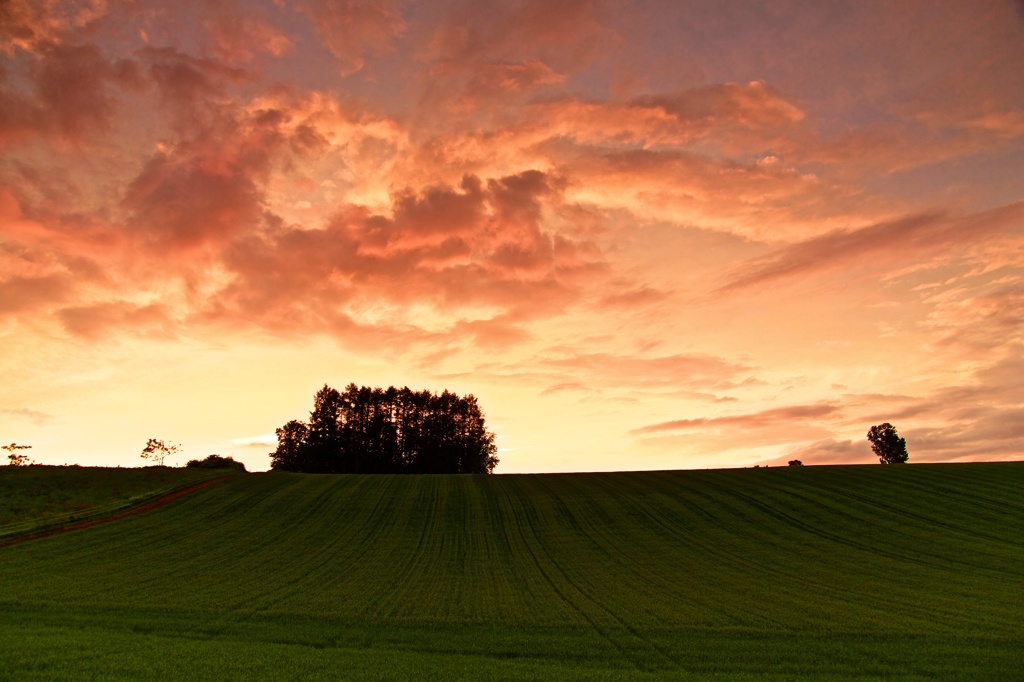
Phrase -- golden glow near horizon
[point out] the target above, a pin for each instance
(654, 236)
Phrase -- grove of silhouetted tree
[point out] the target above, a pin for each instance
(395, 431)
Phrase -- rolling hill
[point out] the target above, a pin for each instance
(865, 572)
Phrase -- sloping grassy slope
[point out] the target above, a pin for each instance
(38, 496)
(819, 572)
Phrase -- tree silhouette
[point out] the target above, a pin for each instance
(795, 463)
(157, 450)
(14, 458)
(291, 447)
(215, 462)
(377, 431)
(887, 444)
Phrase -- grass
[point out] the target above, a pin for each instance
(37, 497)
(869, 572)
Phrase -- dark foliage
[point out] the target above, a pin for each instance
(156, 451)
(215, 462)
(887, 444)
(16, 459)
(394, 431)
(795, 463)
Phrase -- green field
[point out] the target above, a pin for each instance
(38, 497)
(867, 572)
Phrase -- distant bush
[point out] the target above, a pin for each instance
(795, 463)
(215, 462)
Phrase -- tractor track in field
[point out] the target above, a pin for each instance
(161, 501)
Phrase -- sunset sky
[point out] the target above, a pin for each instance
(646, 235)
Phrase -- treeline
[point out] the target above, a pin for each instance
(395, 431)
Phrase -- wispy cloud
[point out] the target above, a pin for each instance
(34, 416)
(754, 420)
(879, 247)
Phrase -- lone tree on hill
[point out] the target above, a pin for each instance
(394, 431)
(157, 450)
(887, 444)
(16, 459)
(795, 463)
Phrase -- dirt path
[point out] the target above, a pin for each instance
(141, 509)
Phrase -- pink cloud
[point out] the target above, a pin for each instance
(96, 320)
(492, 334)
(237, 34)
(41, 265)
(515, 77)
(34, 416)
(574, 386)
(902, 145)
(189, 86)
(764, 199)
(478, 245)
(829, 451)
(883, 245)
(719, 115)
(564, 35)
(181, 205)
(756, 420)
(669, 371)
(978, 420)
(480, 59)
(72, 86)
(36, 25)
(210, 185)
(73, 95)
(352, 29)
(753, 105)
(22, 294)
(632, 298)
(979, 320)
(19, 117)
(1005, 124)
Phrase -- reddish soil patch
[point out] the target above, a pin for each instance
(142, 508)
